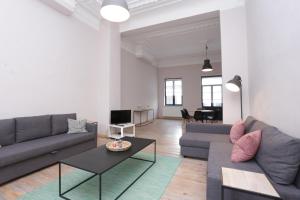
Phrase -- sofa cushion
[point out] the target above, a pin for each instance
(26, 150)
(249, 123)
(258, 125)
(28, 128)
(7, 132)
(202, 140)
(208, 128)
(237, 131)
(246, 147)
(76, 126)
(297, 182)
(287, 192)
(279, 155)
(219, 156)
(60, 123)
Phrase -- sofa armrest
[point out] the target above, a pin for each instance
(208, 128)
(92, 127)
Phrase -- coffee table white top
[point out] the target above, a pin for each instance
(248, 181)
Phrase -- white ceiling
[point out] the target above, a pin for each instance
(147, 12)
(178, 42)
(173, 43)
(135, 6)
(165, 33)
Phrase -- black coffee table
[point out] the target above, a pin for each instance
(100, 160)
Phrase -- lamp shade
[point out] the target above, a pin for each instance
(115, 10)
(235, 84)
(207, 66)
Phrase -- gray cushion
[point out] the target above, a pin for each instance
(201, 140)
(297, 182)
(7, 131)
(76, 126)
(194, 152)
(279, 155)
(287, 192)
(258, 125)
(25, 150)
(60, 123)
(249, 123)
(28, 128)
(219, 156)
(208, 128)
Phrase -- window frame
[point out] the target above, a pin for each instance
(165, 87)
(212, 86)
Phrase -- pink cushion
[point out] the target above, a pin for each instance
(237, 131)
(246, 147)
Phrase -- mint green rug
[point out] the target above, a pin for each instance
(150, 186)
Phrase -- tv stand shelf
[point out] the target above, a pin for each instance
(122, 133)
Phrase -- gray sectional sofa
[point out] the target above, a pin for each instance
(31, 143)
(278, 157)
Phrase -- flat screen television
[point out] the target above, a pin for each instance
(120, 116)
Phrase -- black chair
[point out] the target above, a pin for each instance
(198, 116)
(189, 117)
(183, 115)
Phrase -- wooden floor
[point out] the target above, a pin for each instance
(189, 182)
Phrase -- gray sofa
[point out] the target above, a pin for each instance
(31, 143)
(211, 142)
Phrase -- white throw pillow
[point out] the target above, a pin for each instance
(77, 126)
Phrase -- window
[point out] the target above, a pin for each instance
(173, 92)
(212, 91)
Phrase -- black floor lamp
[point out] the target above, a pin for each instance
(235, 85)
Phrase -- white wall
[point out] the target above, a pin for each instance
(138, 83)
(115, 67)
(274, 46)
(102, 80)
(51, 63)
(191, 87)
(234, 61)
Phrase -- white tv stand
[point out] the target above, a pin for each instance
(121, 127)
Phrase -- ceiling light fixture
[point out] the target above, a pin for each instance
(207, 66)
(115, 10)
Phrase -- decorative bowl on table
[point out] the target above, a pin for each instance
(119, 145)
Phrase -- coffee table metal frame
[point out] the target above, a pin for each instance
(61, 194)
